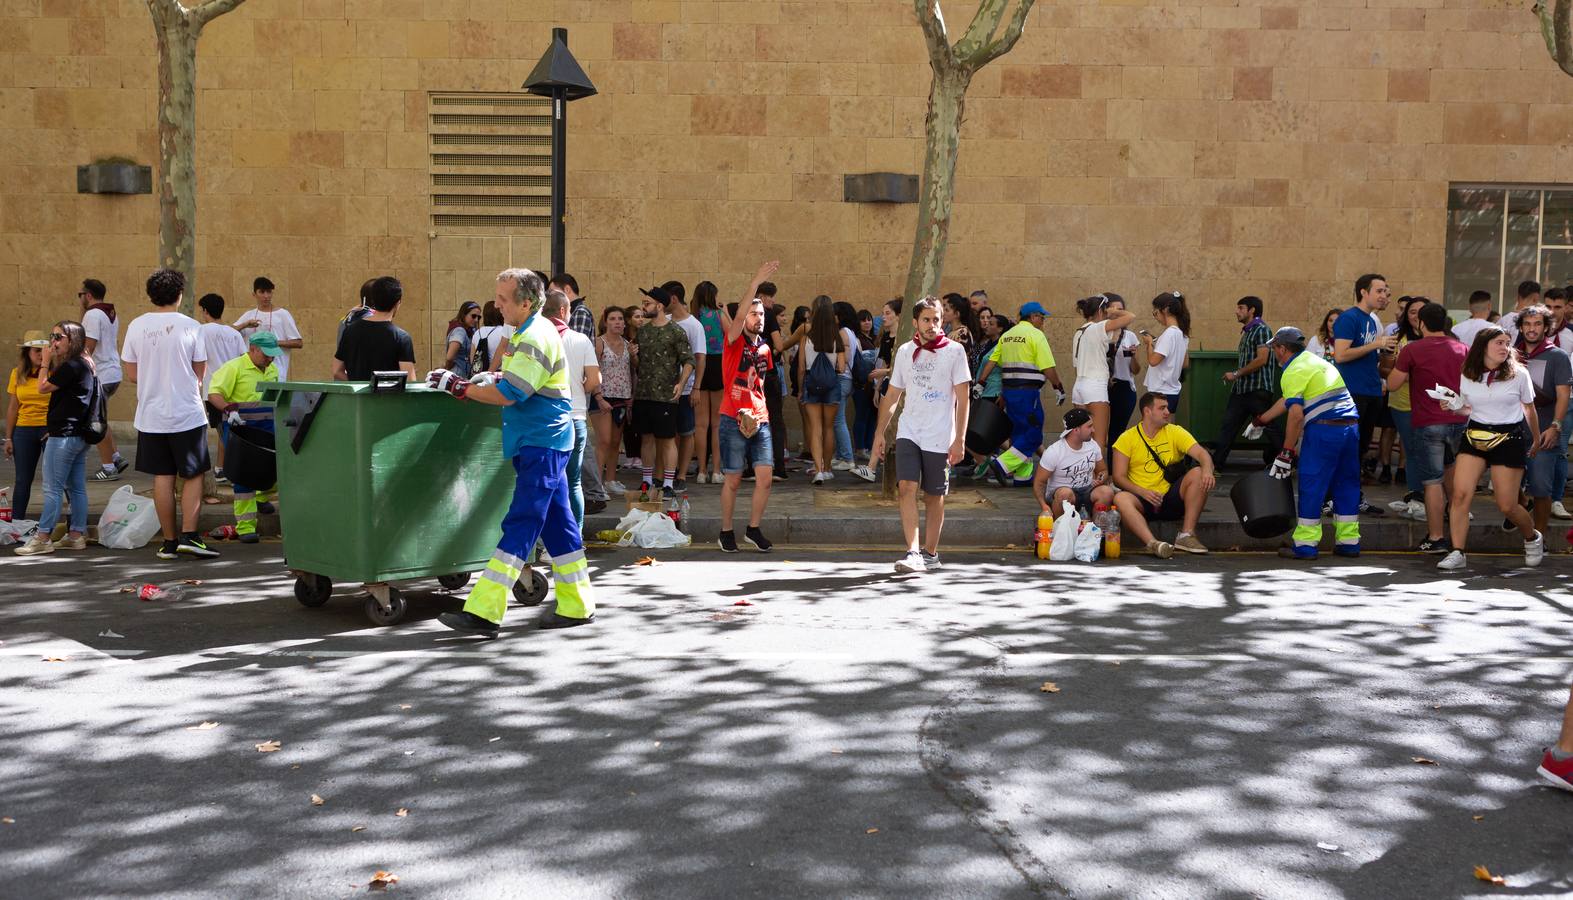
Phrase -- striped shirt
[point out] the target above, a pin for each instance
(1314, 383)
(1253, 337)
(535, 377)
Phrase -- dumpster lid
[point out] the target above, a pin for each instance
(336, 387)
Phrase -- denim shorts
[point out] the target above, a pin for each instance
(1540, 473)
(1435, 448)
(738, 452)
(685, 416)
(826, 398)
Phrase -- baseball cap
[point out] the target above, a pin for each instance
(659, 295)
(1287, 336)
(267, 343)
(1033, 308)
(1075, 419)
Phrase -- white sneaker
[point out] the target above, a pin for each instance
(841, 465)
(821, 477)
(911, 563)
(1417, 511)
(701, 478)
(37, 544)
(865, 473)
(1558, 511)
(1453, 561)
(616, 487)
(1535, 550)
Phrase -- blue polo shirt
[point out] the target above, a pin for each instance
(1356, 326)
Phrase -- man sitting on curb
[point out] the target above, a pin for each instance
(1071, 471)
(234, 393)
(1163, 475)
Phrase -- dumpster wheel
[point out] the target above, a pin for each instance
(533, 593)
(385, 605)
(455, 581)
(312, 590)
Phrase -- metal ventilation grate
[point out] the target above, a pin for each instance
(480, 178)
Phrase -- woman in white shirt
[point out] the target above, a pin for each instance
(1090, 351)
(1321, 343)
(1498, 395)
(1122, 371)
(1166, 352)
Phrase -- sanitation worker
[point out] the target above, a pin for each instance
(1024, 359)
(537, 434)
(1325, 422)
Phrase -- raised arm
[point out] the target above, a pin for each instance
(732, 326)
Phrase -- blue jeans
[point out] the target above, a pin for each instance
(738, 452)
(867, 416)
(27, 449)
(65, 472)
(843, 433)
(572, 469)
(1406, 437)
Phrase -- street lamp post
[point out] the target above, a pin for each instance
(559, 76)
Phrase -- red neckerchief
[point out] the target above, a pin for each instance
(107, 309)
(939, 341)
(561, 325)
(1546, 343)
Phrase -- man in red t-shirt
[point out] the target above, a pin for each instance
(745, 419)
(1436, 360)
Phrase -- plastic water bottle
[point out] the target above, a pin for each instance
(5, 504)
(1111, 533)
(682, 514)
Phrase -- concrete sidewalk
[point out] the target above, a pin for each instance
(851, 513)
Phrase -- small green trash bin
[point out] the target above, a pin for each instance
(377, 487)
(1205, 394)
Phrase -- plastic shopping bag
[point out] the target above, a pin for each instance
(1065, 528)
(129, 520)
(1089, 543)
(652, 531)
(16, 532)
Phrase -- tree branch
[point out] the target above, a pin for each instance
(1013, 31)
(932, 21)
(985, 22)
(1556, 26)
(211, 10)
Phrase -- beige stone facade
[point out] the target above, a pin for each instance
(1218, 148)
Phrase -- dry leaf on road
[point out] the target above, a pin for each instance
(1484, 874)
(357, 828)
(1477, 818)
(646, 561)
(316, 800)
(7, 821)
(872, 831)
(405, 706)
(402, 812)
(1049, 687)
(1422, 761)
(381, 881)
(205, 726)
(269, 747)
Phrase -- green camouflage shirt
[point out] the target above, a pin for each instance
(662, 353)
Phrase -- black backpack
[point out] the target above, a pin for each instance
(97, 425)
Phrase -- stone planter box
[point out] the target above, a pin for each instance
(114, 178)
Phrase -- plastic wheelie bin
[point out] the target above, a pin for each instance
(1204, 396)
(382, 482)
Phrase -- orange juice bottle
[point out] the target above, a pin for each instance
(1044, 534)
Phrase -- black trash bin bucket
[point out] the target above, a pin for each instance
(987, 427)
(1264, 504)
(249, 459)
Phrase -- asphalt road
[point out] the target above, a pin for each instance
(1223, 727)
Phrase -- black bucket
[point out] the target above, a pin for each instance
(987, 427)
(249, 459)
(1264, 504)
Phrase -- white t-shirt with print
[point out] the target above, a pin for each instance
(1500, 402)
(106, 360)
(1164, 378)
(696, 344)
(1090, 352)
(1068, 467)
(223, 344)
(928, 417)
(281, 323)
(163, 345)
(580, 353)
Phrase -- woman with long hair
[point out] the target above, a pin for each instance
(1321, 343)
(791, 348)
(614, 353)
(67, 377)
(1407, 328)
(863, 406)
(632, 439)
(1123, 369)
(1166, 352)
(819, 366)
(707, 394)
(26, 420)
(1498, 394)
(847, 321)
(490, 339)
(1090, 352)
(461, 338)
(960, 323)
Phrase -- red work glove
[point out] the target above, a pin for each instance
(444, 380)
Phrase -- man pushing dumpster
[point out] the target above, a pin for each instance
(537, 434)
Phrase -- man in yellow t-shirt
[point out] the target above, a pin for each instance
(1146, 494)
(234, 392)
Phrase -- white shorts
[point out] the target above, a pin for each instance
(1088, 391)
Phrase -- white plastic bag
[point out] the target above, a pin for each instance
(1065, 527)
(1089, 543)
(129, 520)
(652, 531)
(16, 532)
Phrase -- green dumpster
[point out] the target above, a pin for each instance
(1205, 394)
(383, 486)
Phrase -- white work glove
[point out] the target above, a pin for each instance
(489, 379)
(1253, 431)
(1283, 465)
(977, 390)
(1059, 396)
(1446, 397)
(233, 418)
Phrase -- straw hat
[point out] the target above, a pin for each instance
(35, 338)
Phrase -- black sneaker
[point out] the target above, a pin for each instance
(193, 546)
(219, 477)
(1367, 509)
(468, 623)
(728, 542)
(266, 508)
(668, 492)
(550, 619)
(778, 475)
(757, 538)
(1435, 545)
(679, 485)
(1386, 477)
(1400, 475)
(997, 472)
(120, 464)
(169, 550)
(249, 538)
